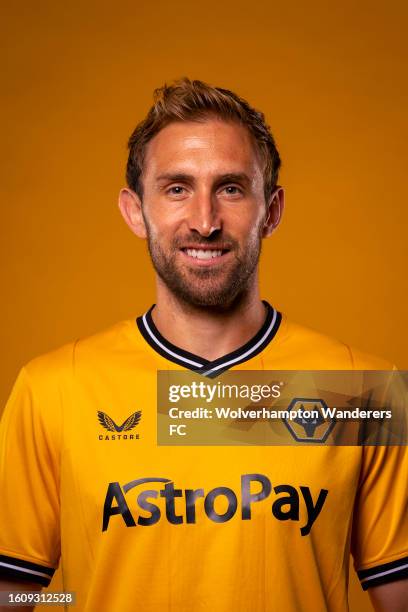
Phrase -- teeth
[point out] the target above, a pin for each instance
(200, 254)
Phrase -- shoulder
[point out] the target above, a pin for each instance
(308, 348)
(62, 363)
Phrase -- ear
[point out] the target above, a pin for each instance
(275, 211)
(130, 206)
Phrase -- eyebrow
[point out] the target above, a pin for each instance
(230, 177)
(175, 177)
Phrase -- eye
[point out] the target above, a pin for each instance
(232, 190)
(176, 190)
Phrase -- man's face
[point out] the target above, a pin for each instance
(204, 210)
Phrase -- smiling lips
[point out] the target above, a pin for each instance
(204, 254)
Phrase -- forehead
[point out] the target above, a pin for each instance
(212, 145)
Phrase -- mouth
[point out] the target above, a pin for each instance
(205, 256)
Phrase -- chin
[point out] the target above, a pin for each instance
(212, 298)
(206, 288)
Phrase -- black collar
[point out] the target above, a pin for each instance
(203, 366)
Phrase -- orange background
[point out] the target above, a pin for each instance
(77, 77)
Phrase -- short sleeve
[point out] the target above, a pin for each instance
(379, 542)
(29, 485)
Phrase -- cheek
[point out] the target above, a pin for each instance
(248, 224)
(162, 223)
(157, 227)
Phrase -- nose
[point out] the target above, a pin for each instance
(204, 214)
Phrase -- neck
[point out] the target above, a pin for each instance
(205, 331)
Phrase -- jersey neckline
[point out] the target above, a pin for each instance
(198, 364)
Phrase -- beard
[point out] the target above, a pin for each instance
(217, 287)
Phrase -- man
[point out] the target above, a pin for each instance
(202, 189)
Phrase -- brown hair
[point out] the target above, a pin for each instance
(187, 100)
